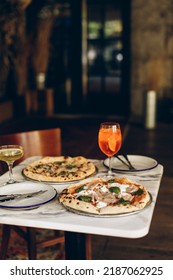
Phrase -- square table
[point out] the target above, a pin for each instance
(54, 216)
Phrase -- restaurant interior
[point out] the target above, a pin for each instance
(72, 64)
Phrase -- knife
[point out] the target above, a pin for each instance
(7, 197)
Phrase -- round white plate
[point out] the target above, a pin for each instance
(29, 202)
(141, 163)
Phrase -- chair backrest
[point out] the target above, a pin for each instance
(35, 143)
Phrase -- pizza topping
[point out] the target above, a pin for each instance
(123, 201)
(132, 188)
(138, 192)
(101, 204)
(80, 189)
(60, 169)
(70, 166)
(85, 198)
(99, 196)
(114, 189)
(105, 193)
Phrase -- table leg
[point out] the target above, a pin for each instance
(75, 246)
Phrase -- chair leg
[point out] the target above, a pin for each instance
(88, 247)
(31, 243)
(6, 230)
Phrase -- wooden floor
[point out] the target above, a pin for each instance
(79, 137)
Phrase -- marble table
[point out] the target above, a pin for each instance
(53, 216)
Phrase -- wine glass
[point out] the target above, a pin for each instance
(109, 140)
(9, 154)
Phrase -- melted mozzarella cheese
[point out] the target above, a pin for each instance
(101, 204)
(122, 187)
(104, 189)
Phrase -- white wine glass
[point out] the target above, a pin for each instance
(9, 154)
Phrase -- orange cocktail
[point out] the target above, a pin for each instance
(109, 139)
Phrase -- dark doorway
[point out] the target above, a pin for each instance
(108, 56)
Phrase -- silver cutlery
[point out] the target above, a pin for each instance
(130, 165)
(125, 163)
(7, 197)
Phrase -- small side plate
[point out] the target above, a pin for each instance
(141, 163)
(29, 202)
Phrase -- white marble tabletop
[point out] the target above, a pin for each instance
(53, 216)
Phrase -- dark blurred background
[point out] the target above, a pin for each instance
(85, 57)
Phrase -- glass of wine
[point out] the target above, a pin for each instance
(109, 140)
(9, 154)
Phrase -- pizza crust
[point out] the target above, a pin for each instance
(68, 199)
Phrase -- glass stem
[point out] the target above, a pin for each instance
(110, 166)
(10, 167)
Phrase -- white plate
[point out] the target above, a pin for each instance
(29, 202)
(141, 163)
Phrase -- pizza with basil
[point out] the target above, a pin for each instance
(105, 197)
(59, 169)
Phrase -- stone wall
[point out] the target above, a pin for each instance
(152, 55)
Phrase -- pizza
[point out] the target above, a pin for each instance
(59, 169)
(105, 197)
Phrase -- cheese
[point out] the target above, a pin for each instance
(122, 187)
(101, 204)
(104, 189)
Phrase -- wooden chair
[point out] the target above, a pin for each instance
(38, 142)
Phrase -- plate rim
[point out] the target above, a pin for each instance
(136, 170)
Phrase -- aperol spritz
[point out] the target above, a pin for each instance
(109, 140)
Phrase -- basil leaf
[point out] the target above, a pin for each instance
(70, 166)
(138, 192)
(85, 198)
(80, 189)
(62, 173)
(123, 201)
(111, 181)
(114, 189)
